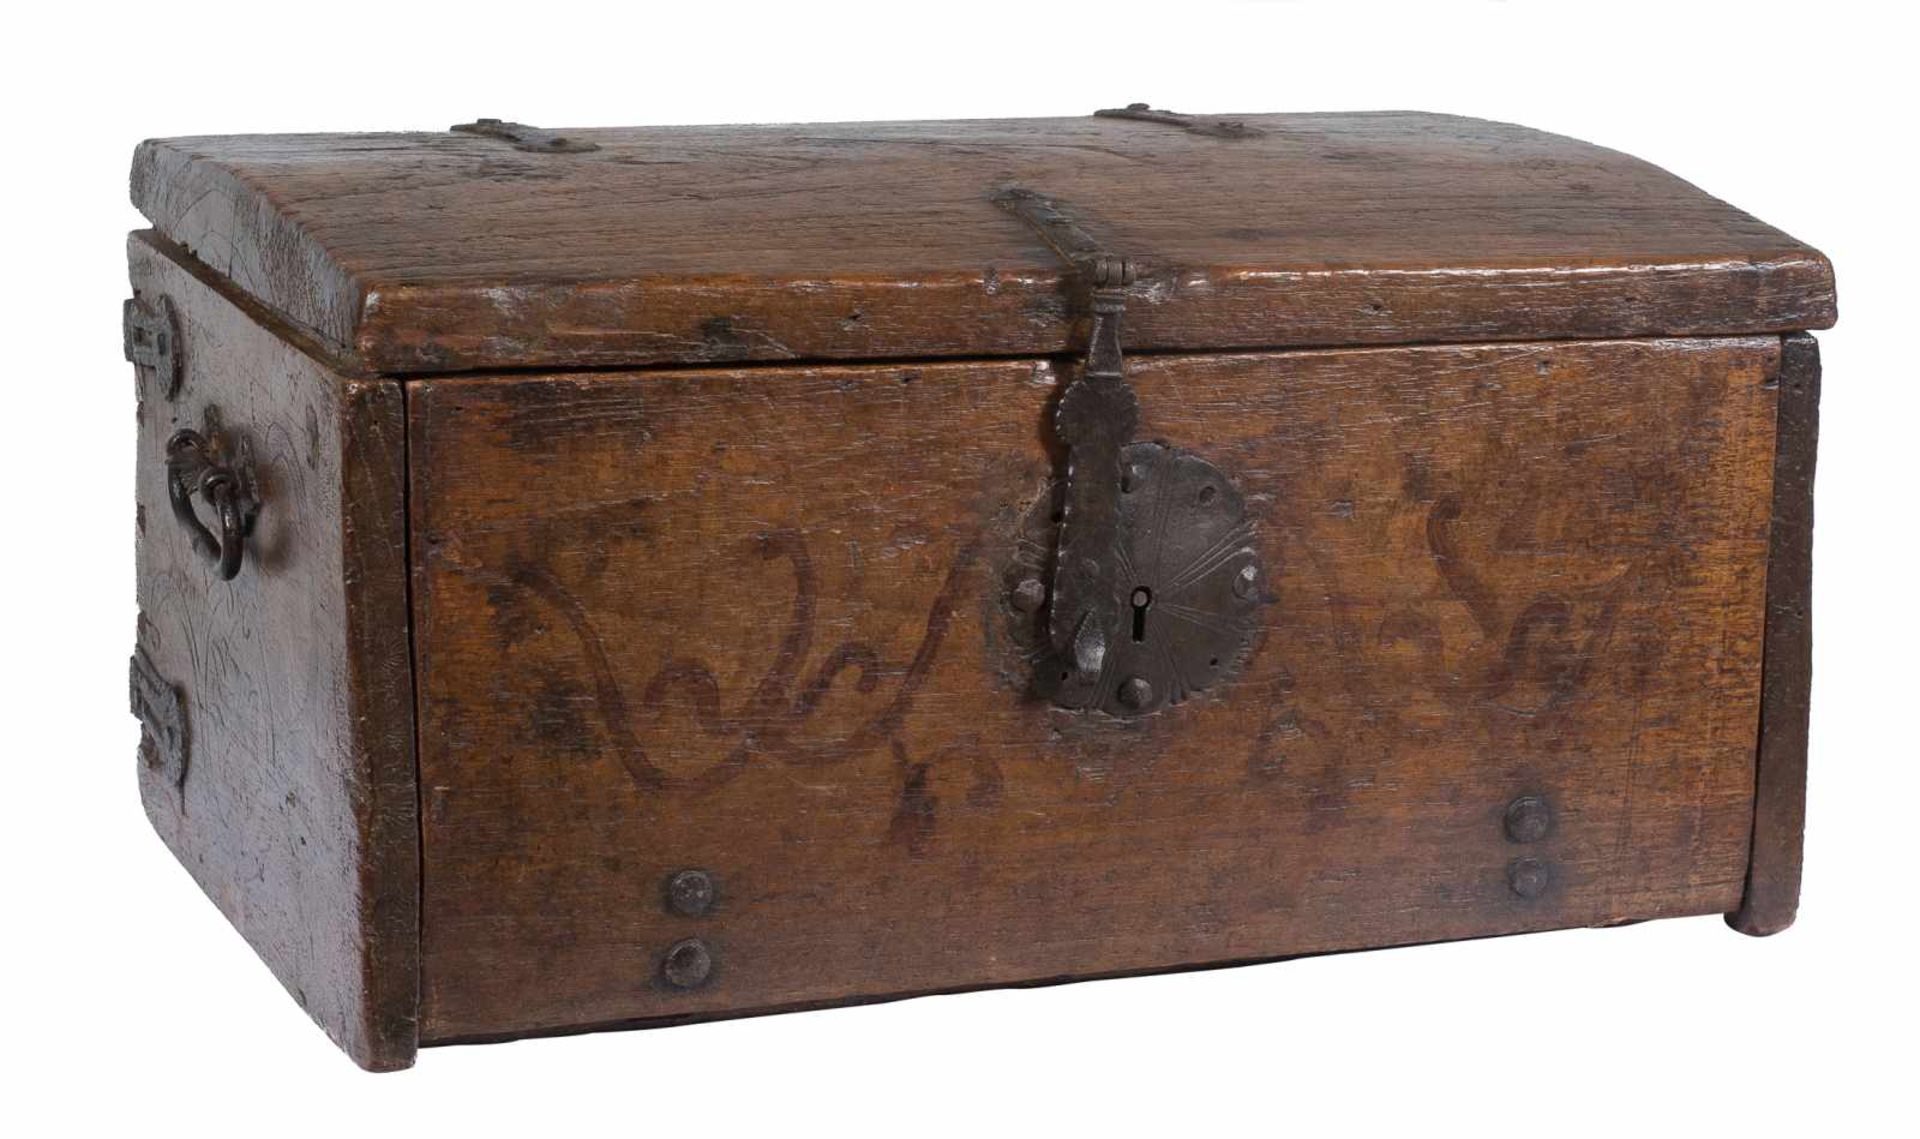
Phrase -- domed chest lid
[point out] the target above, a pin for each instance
(500, 246)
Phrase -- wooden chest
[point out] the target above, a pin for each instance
(636, 576)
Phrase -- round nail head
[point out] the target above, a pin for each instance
(1029, 593)
(690, 893)
(1528, 877)
(1529, 819)
(688, 964)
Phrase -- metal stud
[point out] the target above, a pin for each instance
(1029, 593)
(1528, 877)
(687, 964)
(1136, 693)
(1528, 819)
(690, 893)
(1245, 582)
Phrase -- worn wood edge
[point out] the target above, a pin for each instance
(1772, 897)
(375, 549)
(661, 320)
(1047, 982)
(420, 617)
(279, 325)
(1810, 278)
(224, 218)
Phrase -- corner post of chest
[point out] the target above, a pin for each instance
(1780, 774)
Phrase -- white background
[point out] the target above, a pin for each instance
(129, 1002)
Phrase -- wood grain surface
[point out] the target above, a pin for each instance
(1780, 792)
(297, 811)
(754, 622)
(444, 252)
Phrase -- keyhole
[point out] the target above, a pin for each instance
(1142, 598)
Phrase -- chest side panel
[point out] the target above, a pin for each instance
(757, 623)
(286, 692)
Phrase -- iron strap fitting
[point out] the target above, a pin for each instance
(536, 140)
(1210, 126)
(150, 338)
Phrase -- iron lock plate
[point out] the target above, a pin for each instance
(1138, 584)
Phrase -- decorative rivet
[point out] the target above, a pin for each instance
(1529, 819)
(690, 893)
(1528, 877)
(1029, 593)
(1136, 693)
(1246, 582)
(688, 964)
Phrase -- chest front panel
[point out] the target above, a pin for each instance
(1505, 673)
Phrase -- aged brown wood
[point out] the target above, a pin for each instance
(295, 810)
(1780, 793)
(726, 691)
(445, 251)
(754, 622)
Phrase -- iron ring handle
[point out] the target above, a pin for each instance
(192, 468)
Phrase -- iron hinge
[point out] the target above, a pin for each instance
(150, 334)
(524, 137)
(162, 712)
(1208, 125)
